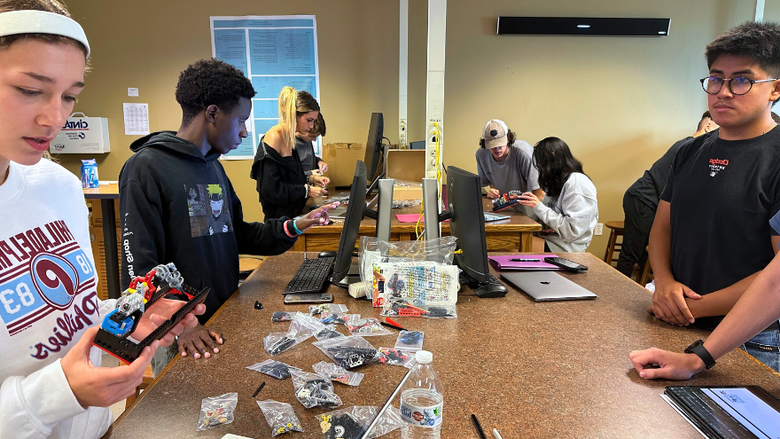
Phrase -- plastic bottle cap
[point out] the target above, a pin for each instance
(423, 357)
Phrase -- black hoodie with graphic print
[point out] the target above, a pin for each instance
(178, 206)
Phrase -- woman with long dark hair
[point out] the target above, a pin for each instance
(570, 207)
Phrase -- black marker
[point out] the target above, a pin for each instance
(258, 389)
(478, 427)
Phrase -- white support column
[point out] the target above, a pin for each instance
(434, 92)
(403, 72)
(759, 10)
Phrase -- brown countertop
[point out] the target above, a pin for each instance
(531, 370)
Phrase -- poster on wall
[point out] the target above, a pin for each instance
(273, 52)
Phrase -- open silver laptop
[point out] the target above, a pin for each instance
(546, 286)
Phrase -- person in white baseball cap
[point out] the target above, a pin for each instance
(52, 382)
(505, 164)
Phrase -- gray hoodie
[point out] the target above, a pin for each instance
(572, 215)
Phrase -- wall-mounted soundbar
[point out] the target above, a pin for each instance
(656, 27)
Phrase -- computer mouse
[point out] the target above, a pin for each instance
(491, 290)
(327, 254)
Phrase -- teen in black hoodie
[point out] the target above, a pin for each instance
(178, 205)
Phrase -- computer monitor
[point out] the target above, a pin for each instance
(344, 273)
(375, 151)
(467, 224)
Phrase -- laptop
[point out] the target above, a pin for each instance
(546, 286)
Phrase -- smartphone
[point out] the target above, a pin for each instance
(566, 264)
(308, 298)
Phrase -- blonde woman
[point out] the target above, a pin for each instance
(282, 185)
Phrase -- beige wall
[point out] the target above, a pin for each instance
(618, 102)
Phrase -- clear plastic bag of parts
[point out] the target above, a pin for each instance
(421, 288)
(301, 328)
(328, 332)
(280, 417)
(373, 250)
(217, 410)
(337, 373)
(365, 327)
(410, 340)
(314, 390)
(348, 352)
(282, 316)
(273, 368)
(396, 357)
(327, 307)
(338, 318)
(351, 422)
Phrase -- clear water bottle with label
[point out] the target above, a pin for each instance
(422, 400)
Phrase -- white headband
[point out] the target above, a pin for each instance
(41, 22)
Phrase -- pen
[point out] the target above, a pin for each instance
(390, 325)
(478, 427)
(524, 260)
(497, 434)
(258, 389)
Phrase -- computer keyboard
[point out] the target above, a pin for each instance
(311, 276)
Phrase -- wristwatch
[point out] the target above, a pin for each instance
(698, 348)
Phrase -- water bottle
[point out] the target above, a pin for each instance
(422, 401)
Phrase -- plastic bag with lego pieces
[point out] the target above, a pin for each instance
(301, 328)
(410, 340)
(409, 289)
(313, 390)
(368, 254)
(395, 357)
(280, 416)
(347, 352)
(282, 316)
(338, 373)
(328, 332)
(217, 410)
(273, 368)
(327, 307)
(351, 422)
(365, 326)
(328, 317)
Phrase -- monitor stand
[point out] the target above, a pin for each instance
(352, 277)
(484, 290)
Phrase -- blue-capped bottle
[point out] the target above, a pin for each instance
(422, 400)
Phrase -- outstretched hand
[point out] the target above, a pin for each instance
(316, 217)
(655, 363)
(199, 341)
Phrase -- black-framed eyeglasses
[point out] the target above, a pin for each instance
(738, 86)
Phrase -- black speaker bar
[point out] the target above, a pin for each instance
(583, 26)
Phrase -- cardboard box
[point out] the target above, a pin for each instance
(341, 159)
(82, 135)
(408, 166)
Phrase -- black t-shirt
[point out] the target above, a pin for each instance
(649, 187)
(722, 195)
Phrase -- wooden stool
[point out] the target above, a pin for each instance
(616, 229)
(647, 273)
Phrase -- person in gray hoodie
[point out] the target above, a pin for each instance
(570, 207)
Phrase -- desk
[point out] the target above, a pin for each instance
(506, 235)
(107, 194)
(532, 370)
